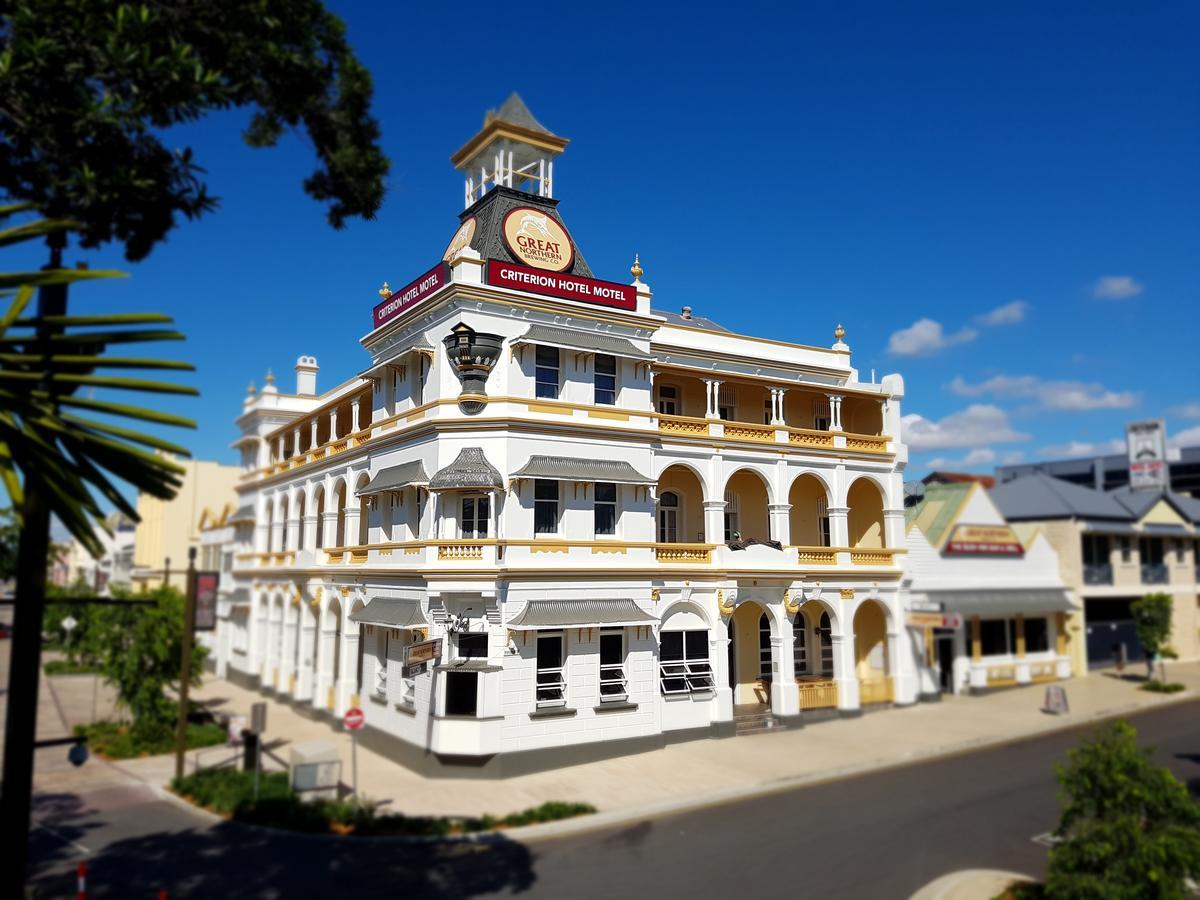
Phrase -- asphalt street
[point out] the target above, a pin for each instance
(882, 835)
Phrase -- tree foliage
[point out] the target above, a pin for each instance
(88, 87)
(1152, 619)
(10, 534)
(1130, 829)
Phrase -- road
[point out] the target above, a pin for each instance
(876, 836)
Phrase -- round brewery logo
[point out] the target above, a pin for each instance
(462, 238)
(536, 239)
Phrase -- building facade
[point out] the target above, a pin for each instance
(549, 522)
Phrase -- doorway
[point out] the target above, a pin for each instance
(945, 657)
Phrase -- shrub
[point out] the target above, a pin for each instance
(1163, 687)
(67, 667)
(116, 740)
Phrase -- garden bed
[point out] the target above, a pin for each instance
(229, 792)
(1162, 687)
(115, 740)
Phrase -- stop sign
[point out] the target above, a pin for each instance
(353, 719)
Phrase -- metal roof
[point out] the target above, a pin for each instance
(1140, 502)
(1040, 496)
(586, 341)
(1004, 603)
(419, 344)
(674, 318)
(580, 614)
(939, 509)
(470, 469)
(395, 478)
(242, 514)
(391, 612)
(568, 468)
(516, 112)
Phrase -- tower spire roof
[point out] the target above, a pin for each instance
(515, 112)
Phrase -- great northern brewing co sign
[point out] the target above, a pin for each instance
(412, 294)
(984, 540)
(566, 287)
(536, 239)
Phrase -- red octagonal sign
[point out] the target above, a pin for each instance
(354, 719)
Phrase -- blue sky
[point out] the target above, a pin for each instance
(998, 202)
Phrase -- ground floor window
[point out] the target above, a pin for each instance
(551, 685)
(994, 636)
(1037, 635)
(612, 667)
(825, 637)
(800, 645)
(764, 648)
(462, 693)
(684, 667)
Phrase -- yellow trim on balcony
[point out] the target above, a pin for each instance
(683, 553)
(817, 692)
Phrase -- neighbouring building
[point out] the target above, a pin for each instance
(222, 535)
(1003, 604)
(550, 522)
(1113, 548)
(168, 528)
(1111, 471)
(113, 568)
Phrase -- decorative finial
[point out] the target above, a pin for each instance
(270, 377)
(250, 390)
(636, 269)
(839, 332)
(385, 291)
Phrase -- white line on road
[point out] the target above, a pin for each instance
(62, 837)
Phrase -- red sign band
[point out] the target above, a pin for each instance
(565, 287)
(410, 295)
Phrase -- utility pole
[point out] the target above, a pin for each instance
(185, 673)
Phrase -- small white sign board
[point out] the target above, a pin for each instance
(69, 624)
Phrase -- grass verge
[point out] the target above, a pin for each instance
(229, 792)
(114, 740)
(1162, 687)
(66, 667)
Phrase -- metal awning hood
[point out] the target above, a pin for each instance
(580, 614)
(391, 612)
(395, 478)
(242, 514)
(985, 603)
(581, 341)
(569, 468)
(469, 471)
(417, 345)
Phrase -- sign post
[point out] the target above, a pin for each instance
(354, 720)
(258, 724)
(185, 663)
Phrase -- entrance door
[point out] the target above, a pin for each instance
(945, 657)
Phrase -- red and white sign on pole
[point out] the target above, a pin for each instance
(353, 719)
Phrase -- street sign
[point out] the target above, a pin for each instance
(413, 671)
(426, 651)
(206, 600)
(69, 624)
(1056, 700)
(353, 719)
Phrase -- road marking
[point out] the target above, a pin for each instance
(1047, 839)
(62, 837)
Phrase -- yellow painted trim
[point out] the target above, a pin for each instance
(976, 639)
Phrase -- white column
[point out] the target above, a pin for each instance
(279, 453)
(843, 671)
(330, 525)
(348, 662)
(333, 424)
(351, 522)
(835, 412)
(719, 648)
(309, 524)
(839, 526)
(714, 389)
(781, 523)
(296, 442)
(304, 677)
(493, 515)
(326, 648)
(354, 415)
(785, 694)
(312, 443)
(714, 521)
(893, 528)
(287, 661)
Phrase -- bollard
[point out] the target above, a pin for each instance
(162, 894)
(81, 882)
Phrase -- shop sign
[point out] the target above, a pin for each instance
(424, 652)
(462, 238)
(412, 294)
(933, 620)
(926, 606)
(535, 238)
(984, 540)
(565, 287)
(205, 586)
(1146, 443)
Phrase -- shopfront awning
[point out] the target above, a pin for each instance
(580, 614)
(469, 471)
(581, 341)
(391, 612)
(1001, 603)
(1101, 527)
(568, 468)
(395, 478)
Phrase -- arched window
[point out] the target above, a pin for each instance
(764, 647)
(823, 521)
(800, 644)
(300, 517)
(731, 515)
(825, 641)
(320, 537)
(668, 518)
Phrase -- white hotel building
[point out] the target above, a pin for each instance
(549, 522)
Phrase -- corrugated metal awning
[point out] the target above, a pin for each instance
(1001, 603)
(469, 471)
(568, 468)
(239, 597)
(418, 345)
(391, 612)
(242, 514)
(395, 478)
(580, 614)
(1102, 527)
(581, 341)
(1169, 528)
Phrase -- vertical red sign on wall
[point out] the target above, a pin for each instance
(412, 294)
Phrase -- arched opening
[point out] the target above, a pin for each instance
(680, 507)
(300, 521)
(283, 523)
(861, 415)
(810, 512)
(746, 507)
(812, 650)
(871, 657)
(319, 506)
(865, 518)
(270, 526)
(340, 531)
(750, 655)
(364, 512)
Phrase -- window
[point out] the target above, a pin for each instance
(476, 511)
(605, 504)
(472, 646)
(820, 413)
(767, 409)
(1126, 550)
(462, 693)
(545, 506)
(825, 639)
(668, 518)
(668, 399)
(731, 516)
(551, 686)
(726, 403)
(606, 379)
(612, 667)
(382, 640)
(546, 372)
(823, 522)
(800, 645)
(1037, 635)
(1151, 550)
(993, 635)
(764, 648)
(683, 663)
(1095, 550)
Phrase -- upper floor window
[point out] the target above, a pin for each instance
(476, 510)
(606, 379)
(820, 413)
(668, 400)
(668, 518)
(546, 373)
(767, 409)
(1095, 550)
(605, 504)
(731, 516)
(823, 521)
(471, 646)
(726, 403)
(545, 506)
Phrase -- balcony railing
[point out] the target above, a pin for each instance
(683, 553)
(1097, 573)
(875, 556)
(817, 693)
(816, 556)
(1154, 573)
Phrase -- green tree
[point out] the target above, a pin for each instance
(1130, 829)
(10, 534)
(1152, 619)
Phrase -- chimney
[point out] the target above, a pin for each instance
(686, 312)
(306, 376)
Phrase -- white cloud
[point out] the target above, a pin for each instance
(1073, 449)
(925, 337)
(1008, 314)
(1062, 396)
(979, 425)
(1189, 437)
(1187, 410)
(1117, 287)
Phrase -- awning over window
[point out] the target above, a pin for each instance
(469, 471)
(391, 612)
(395, 478)
(580, 614)
(568, 468)
(242, 514)
(418, 345)
(581, 341)
(1100, 527)
(1165, 528)
(239, 597)
(1004, 603)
